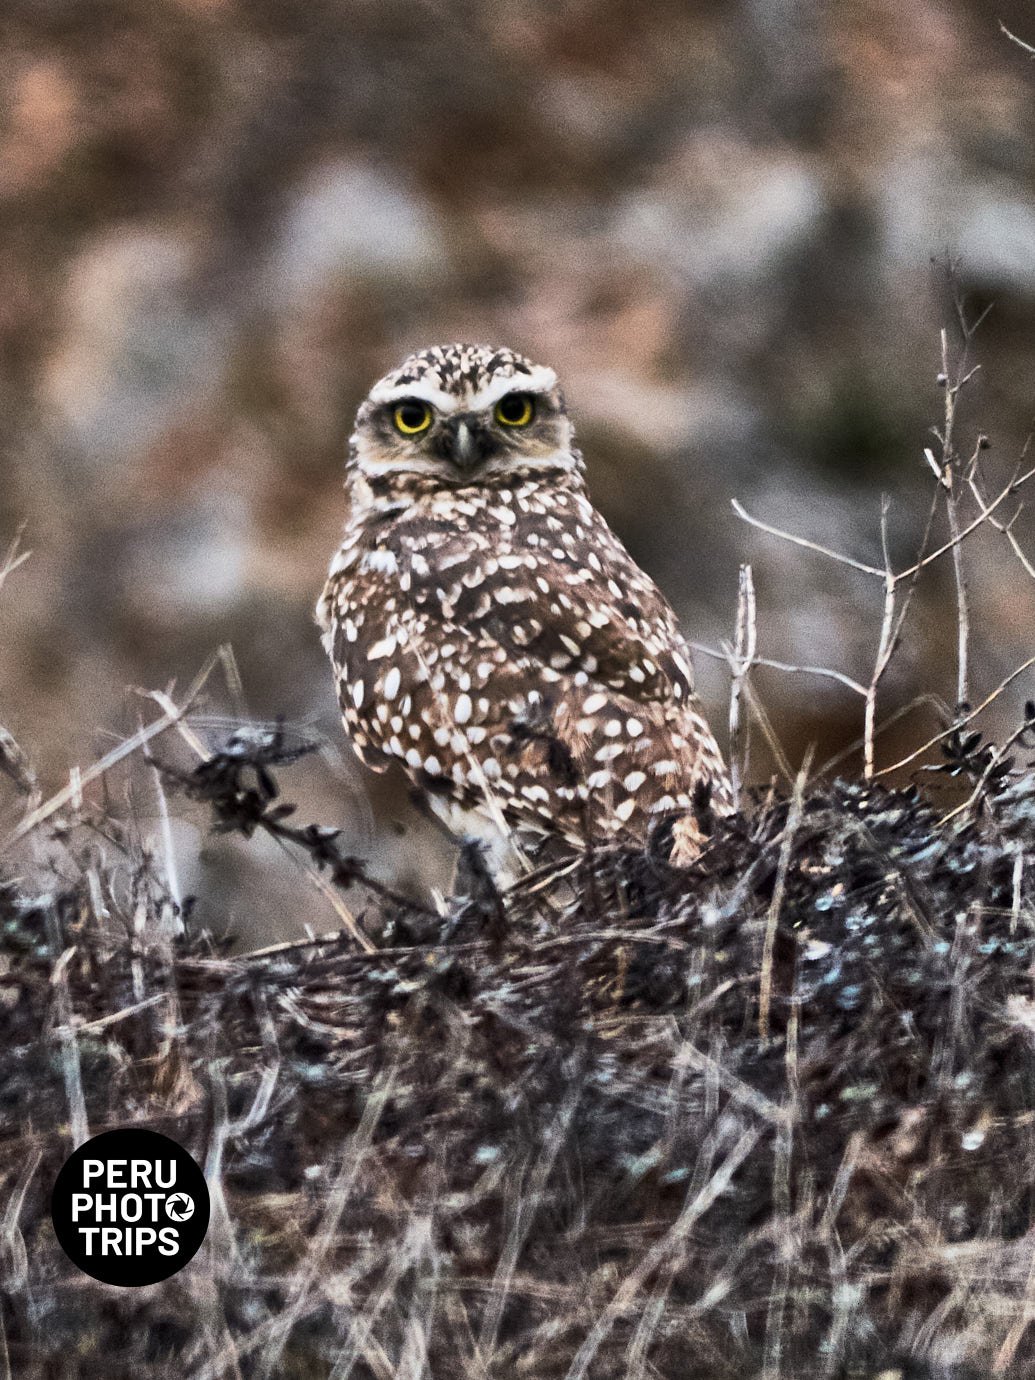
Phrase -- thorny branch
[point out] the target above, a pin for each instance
(238, 785)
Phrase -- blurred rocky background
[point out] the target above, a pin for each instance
(222, 219)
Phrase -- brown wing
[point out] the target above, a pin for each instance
(514, 645)
(553, 585)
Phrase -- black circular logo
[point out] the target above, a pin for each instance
(130, 1207)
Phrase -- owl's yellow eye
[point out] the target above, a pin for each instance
(516, 409)
(411, 417)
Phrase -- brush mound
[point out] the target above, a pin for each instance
(773, 1115)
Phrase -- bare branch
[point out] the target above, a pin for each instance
(906, 603)
(949, 467)
(892, 719)
(1016, 483)
(745, 649)
(745, 516)
(65, 1030)
(825, 672)
(885, 646)
(1026, 47)
(1005, 527)
(786, 847)
(13, 557)
(939, 474)
(768, 732)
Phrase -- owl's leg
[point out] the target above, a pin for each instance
(500, 850)
(500, 856)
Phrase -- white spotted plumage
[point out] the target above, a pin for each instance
(490, 632)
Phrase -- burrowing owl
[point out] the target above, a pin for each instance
(489, 631)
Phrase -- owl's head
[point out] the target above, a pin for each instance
(459, 415)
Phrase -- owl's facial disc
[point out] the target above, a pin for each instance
(463, 415)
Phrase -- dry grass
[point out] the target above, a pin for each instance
(558, 1146)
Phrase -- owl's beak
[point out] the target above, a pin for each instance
(465, 449)
(467, 443)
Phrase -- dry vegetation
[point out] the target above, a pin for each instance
(772, 1116)
(769, 1116)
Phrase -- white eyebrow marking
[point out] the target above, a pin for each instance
(540, 380)
(426, 391)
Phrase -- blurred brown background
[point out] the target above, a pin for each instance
(222, 219)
